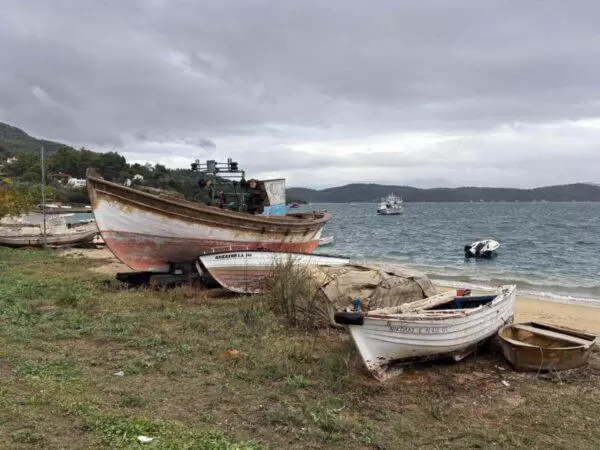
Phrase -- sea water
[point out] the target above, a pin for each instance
(546, 249)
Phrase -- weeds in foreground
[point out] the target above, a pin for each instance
(292, 293)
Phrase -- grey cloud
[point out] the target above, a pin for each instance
(190, 75)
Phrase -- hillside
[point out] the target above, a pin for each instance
(64, 159)
(13, 141)
(373, 192)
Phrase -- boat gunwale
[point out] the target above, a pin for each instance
(441, 314)
(298, 221)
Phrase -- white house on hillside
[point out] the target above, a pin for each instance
(76, 182)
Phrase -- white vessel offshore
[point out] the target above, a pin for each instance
(390, 205)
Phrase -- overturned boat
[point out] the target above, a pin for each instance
(541, 347)
(249, 272)
(482, 249)
(444, 325)
(147, 232)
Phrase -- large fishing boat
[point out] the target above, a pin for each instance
(147, 232)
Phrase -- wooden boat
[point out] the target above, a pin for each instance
(147, 232)
(30, 235)
(542, 347)
(248, 272)
(444, 325)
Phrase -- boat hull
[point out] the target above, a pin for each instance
(148, 232)
(429, 334)
(248, 272)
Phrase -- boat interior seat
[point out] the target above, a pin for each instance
(552, 334)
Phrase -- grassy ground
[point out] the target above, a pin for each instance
(225, 373)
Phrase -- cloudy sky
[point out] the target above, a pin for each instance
(328, 92)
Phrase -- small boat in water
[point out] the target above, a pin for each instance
(390, 205)
(248, 272)
(445, 325)
(325, 240)
(542, 347)
(482, 249)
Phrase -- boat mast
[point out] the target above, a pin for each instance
(43, 196)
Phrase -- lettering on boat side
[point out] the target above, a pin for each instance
(233, 255)
(415, 330)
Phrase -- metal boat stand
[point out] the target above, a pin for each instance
(179, 273)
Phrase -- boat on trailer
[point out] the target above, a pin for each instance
(541, 347)
(148, 232)
(445, 325)
(248, 272)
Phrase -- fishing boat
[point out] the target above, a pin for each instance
(147, 232)
(390, 205)
(542, 347)
(445, 325)
(248, 272)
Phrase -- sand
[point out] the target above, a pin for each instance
(527, 308)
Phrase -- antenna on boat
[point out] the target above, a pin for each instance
(43, 195)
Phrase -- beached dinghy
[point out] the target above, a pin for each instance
(147, 232)
(248, 272)
(57, 233)
(482, 249)
(442, 325)
(542, 347)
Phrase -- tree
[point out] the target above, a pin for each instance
(13, 201)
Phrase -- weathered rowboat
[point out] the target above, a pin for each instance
(146, 232)
(444, 325)
(33, 236)
(542, 347)
(248, 272)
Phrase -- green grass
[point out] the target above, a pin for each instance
(227, 373)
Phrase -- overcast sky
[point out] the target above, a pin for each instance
(328, 92)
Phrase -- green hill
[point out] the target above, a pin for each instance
(13, 141)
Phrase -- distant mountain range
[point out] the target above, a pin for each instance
(581, 192)
(14, 141)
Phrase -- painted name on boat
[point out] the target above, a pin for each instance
(234, 255)
(415, 330)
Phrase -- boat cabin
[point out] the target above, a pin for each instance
(228, 189)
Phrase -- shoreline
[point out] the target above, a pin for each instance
(527, 308)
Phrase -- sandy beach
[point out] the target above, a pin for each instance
(527, 308)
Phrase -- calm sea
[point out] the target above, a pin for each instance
(547, 249)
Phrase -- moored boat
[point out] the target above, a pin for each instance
(482, 249)
(390, 205)
(445, 325)
(147, 232)
(325, 240)
(247, 272)
(542, 347)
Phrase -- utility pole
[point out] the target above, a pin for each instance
(43, 197)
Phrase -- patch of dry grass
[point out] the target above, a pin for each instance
(228, 372)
